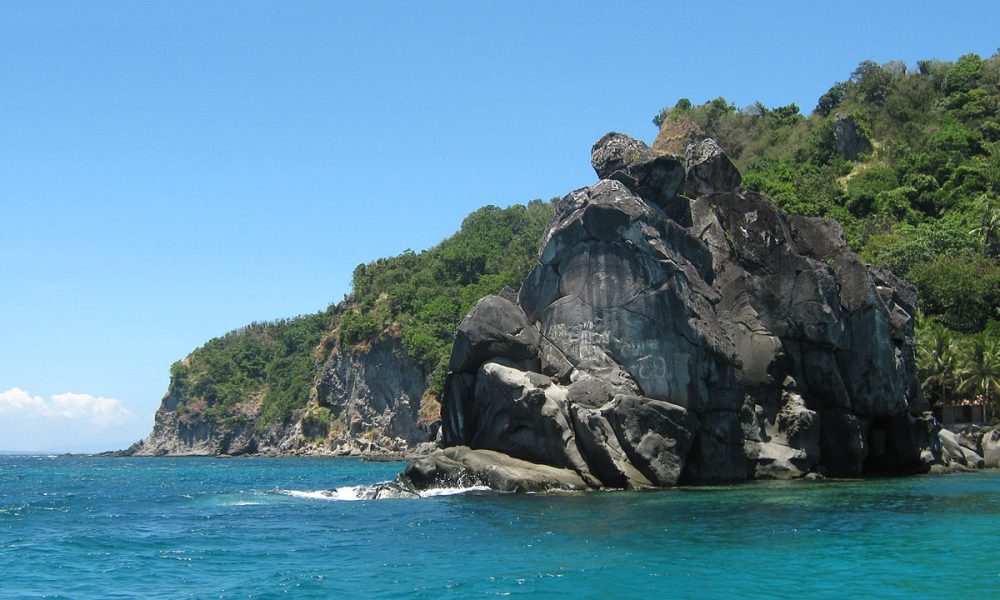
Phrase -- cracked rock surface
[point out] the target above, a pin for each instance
(665, 339)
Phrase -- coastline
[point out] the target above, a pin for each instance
(970, 438)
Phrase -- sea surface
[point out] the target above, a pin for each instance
(257, 528)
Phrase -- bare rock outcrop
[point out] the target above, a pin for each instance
(366, 402)
(663, 339)
(849, 139)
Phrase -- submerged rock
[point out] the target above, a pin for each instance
(662, 340)
(460, 466)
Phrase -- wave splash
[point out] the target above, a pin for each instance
(382, 491)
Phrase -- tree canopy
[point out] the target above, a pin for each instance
(923, 200)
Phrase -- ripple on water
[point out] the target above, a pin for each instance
(256, 528)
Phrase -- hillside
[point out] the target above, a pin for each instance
(314, 381)
(908, 161)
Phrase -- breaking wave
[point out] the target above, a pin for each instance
(382, 491)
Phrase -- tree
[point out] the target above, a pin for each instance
(964, 74)
(963, 290)
(980, 372)
(988, 231)
(937, 361)
(831, 99)
(872, 81)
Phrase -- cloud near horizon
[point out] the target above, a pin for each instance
(95, 412)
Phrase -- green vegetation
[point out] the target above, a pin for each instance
(263, 368)
(953, 366)
(427, 294)
(923, 202)
(267, 371)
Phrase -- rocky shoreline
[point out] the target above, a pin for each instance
(676, 329)
(679, 329)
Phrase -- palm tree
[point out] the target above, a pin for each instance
(937, 360)
(988, 231)
(980, 372)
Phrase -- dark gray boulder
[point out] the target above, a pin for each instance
(494, 327)
(618, 152)
(749, 344)
(655, 435)
(524, 415)
(658, 178)
(709, 169)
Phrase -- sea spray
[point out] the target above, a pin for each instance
(382, 491)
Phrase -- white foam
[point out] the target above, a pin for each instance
(357, 492)
(348, 493)
(429, 493)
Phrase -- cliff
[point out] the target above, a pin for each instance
(795, 305)
(362, 377)
(677, 328)
(365, 402)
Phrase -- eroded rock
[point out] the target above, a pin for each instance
(849, 139)
(736, 342)
(657, 177)
(708, 168)
(460, 466)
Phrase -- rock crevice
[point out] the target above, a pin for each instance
(680, 329)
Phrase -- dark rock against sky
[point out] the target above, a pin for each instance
(690, 339)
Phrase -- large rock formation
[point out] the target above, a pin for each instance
(663, 339)
(366, 402)
(375, 394)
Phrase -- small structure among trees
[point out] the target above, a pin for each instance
(960, 374)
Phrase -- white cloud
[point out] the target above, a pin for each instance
(93, 412)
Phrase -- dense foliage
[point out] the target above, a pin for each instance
(266, 371)
(923, 201)
(427, 294)
(954, 366)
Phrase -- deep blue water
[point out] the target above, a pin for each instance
(210, 528)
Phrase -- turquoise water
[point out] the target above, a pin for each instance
(231, 528)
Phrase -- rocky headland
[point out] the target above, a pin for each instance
(678, 329)
(364, 402)
(675, 329)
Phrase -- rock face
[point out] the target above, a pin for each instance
(848, 138)
(375, 395)
(708, 168)
(366, 402)
(193, 433)
(663, 339)
(658, 178)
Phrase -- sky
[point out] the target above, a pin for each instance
(171, 171)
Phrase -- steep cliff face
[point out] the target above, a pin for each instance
(374, 397)
(366, 401)
(680, 329)
(360, 377)
(189, 429)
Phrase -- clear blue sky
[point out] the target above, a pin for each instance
(170, 171)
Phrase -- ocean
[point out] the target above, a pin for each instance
(258, 528)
